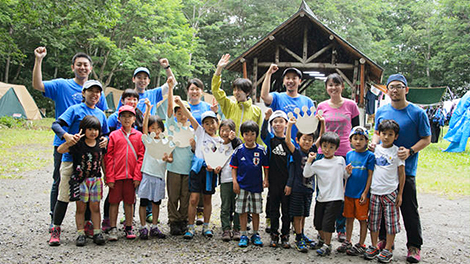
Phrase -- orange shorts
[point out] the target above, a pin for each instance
(353, 209)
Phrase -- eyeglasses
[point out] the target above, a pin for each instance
(396, 87)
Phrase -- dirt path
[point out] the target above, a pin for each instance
(24, 205)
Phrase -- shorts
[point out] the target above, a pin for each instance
(202, 182)
(325, 215)
(145, 202)
(300, 204)
(66, 170)
(91, 190)
(123, 191)
(151, 188)
(248, 202)
(384, 204)
(353, 209)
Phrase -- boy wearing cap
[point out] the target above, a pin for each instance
(356, 196)
(415, 136)
(64, 93)
(65, 127)
(123, 169)
(289, 100)
(278, 159)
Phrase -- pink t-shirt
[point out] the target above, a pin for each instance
(339, 120)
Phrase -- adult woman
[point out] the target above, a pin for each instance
(195, 89)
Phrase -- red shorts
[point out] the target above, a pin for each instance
(353, 209)
(123, 191)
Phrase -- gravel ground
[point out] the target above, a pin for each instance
(24, 204)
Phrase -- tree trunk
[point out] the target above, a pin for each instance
(7, 68)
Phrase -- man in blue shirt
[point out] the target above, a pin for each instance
(415, 135)
(64, 93)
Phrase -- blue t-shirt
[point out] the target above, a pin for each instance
(249, 163)
(297, 181)
(282, 101)
(199, 109)
(113, 122)
(361, 162)
(65, 93)
(74, 114)
(154, 96)
(182, 157)
(414, 125)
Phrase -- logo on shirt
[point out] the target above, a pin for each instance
(382, 161)
(279, 150)
(256, 160)
(77, 97)
(256, 154)
(243, 158)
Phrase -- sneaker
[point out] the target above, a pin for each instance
(346, 245)
(129, 233)
(98, 239)
(414, 255)
(155, 232)
(81, 241)
(144, 233)
(189, 234)
(175, 229)
(243, 241)
(256, 240)
(199, 218)
(106, 225)
(274, 240)
(149, 218)
(341, 237)
(317, 244)
(113, 234)
(268, 225)
(207, 233)
(382, 243)
(285, 241)
(236, 235)
(55, 236)
(183, 226)
(325, 250)
(301, 246)
(89, 229)
(385, 256)
(356, 250)
(226, 236)
(371, 253)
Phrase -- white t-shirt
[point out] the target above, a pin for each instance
(203, 140)
(385, 178)
(330, 174)
(226, 173)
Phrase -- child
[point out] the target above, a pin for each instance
(66, 127)
(178, 173)
(298, 188)
(86, 155)
(123, 164)
(356, 200)
(278, 160)
(330, 172)
(128, 97)
(385, 198)
(227, 196)
(201, 178)
(152, 186)
(248, 182)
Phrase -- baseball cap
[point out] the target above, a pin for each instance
(141, 69)
(126, 108)
(278, 113)
(185, 105)
(397, 77)
(90, 83)
(359, 130)
(294, 70)
(208, 114)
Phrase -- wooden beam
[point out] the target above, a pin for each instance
(255, 77)
(291, 53)
(318, 53)
(276, 58)
(245, 74)
(355, 74)
(346, 79)
(305, 48)
(258, 82)
(319, 65)
(305, 85)
(363, 84)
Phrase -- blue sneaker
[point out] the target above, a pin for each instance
(189, 234)
(307, 240)
(301, 246)
(256, 240)
(243, 241)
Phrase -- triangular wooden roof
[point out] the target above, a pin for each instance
(292, 31)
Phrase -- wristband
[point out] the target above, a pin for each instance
(167, 67)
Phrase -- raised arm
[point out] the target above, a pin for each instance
(322, 129)
(222, 63)
(166, 65)
(308, 168)
(171, 84)
(39, 53)
(288, 139)
(268, 98)
(145, 123)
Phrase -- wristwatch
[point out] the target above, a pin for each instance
(167, 67)
(412, 152)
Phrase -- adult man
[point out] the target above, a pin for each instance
(291, 99)
(64, 93)
(414, 135)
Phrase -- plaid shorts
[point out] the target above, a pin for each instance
(248, 202)
(91, 190)
(384, 204)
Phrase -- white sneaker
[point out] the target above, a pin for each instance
(113, 234)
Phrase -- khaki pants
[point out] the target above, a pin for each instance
(66, 170)
(178, 196)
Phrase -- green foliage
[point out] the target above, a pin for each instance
(10, 122)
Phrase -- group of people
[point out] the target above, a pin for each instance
(353, 177)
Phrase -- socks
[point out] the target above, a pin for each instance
(81, 232)
(298, 237)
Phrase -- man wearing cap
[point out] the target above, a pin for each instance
(64, 93)
(415, 135)
(291, 99)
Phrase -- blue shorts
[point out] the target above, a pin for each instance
(300, 204)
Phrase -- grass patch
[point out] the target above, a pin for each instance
(24, 147)
(445, 173)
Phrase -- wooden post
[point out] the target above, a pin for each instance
(255, 80)
(363, 81)
(305, 52)
(276, 58)
(245, 74)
